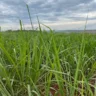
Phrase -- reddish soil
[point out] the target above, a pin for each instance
(55, 88)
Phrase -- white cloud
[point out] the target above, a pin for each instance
(60, 14)
(94, 0)
(6, 10)
(31, 1)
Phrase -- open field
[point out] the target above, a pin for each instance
(47, 64)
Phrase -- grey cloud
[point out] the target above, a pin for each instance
(48, 11)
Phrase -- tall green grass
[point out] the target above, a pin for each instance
(32, 63)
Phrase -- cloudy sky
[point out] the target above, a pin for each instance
(57, 14)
